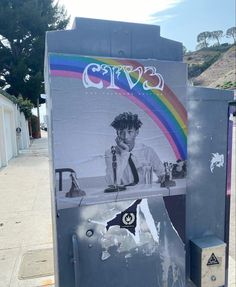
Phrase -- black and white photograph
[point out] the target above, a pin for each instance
(118, 135)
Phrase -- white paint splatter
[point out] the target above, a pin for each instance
(136, 237)
(104, 223)
(146, 236)
(128, 255)
(217, 160)
(149, 220)
(105, 255)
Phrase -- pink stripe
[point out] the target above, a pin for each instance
(66, 74)
(69, 74)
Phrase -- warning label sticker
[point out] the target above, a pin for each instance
(212, 260)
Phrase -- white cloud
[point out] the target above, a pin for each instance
(162, 18)
(123, 10)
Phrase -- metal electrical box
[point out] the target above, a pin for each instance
(208, 262)
(137, 164)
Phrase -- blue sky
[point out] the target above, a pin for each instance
(192, 17)
(180, 20)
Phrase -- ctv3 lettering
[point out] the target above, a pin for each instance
(133, 75)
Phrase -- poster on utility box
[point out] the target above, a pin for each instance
(119, 125)
(119, 154)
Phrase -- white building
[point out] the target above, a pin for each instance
(14, 133)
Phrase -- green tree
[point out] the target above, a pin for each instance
(184, 50)
(23, 24)
(202, 39)
(231, 32)
(216, 35)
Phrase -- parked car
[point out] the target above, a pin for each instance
(43, 126)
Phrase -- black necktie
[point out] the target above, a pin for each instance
(133, 169)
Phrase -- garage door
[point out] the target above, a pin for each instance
(8, 134)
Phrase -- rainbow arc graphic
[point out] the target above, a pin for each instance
(162, 106)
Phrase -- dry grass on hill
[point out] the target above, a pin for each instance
(221, 74)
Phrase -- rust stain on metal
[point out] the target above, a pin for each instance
(47, 283)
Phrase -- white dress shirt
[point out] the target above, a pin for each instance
(143, 157)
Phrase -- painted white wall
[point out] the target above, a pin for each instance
(2, 138)
(8, 128)
(10, 141)
(23, 140)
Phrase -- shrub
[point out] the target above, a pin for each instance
(196, 69)
(227, 85)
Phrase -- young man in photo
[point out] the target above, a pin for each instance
(128, 163)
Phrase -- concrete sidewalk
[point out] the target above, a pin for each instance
(25, 221)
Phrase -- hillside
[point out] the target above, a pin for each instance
(213, 67)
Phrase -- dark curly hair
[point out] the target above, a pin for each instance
(126, 120)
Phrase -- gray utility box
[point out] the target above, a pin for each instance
(114, 228)
(208, 262)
